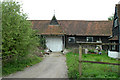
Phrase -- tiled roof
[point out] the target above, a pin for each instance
(76, 27)
(53, 30)
(89, 28)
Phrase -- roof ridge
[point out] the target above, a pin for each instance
(77, 20)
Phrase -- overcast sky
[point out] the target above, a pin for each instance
(69, 9)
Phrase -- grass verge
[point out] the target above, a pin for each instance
(19, 65)
(90, 70)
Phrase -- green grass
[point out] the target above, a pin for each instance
(19, 65)
(97, 57)
(42, 51)
(90, 70)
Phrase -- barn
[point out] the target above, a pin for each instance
(61, 34)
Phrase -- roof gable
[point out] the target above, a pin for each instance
(116, 23)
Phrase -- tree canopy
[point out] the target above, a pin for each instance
(111, 18)
(18, 38)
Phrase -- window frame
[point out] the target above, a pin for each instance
(72, 38)
(113, 47)
(87, 39)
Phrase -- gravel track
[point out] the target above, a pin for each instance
(52, 66)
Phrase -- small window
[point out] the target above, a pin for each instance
(89, 39)
(71, 39)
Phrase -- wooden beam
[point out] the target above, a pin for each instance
(100, 62)
(80, 59)
(95, 43)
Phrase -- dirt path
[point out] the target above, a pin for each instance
(53, 66)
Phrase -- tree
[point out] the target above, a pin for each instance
(0, 28)
(111, 18)
(18, 38)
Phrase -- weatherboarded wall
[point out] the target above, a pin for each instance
(84, 39)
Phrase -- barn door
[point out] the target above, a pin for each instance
(54, 43)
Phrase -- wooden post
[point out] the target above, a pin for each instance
(80, 59)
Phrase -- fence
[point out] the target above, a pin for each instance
(92, 43)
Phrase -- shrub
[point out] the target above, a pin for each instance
(91, 50)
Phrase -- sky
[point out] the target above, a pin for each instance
(69, 9)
